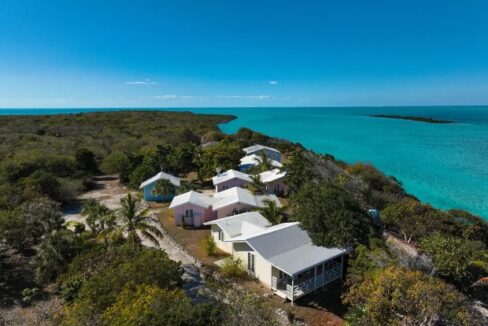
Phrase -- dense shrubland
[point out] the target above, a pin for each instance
(105, 279)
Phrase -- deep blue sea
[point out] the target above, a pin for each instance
(445, 165)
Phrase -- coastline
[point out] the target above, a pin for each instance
(441, 165)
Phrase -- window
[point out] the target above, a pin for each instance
(250, 262)
(221, 235)
(189, 213)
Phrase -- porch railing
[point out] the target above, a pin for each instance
(302, 288)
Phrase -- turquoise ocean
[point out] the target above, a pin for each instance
(445, 165)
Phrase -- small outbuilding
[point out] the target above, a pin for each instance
(148, 186)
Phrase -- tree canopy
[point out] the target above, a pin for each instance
(331, 216)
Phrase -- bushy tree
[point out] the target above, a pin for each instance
(368, 258)
(43, 215)
(42, 183)
(209, 246)
(151, 305)
(396, 296)
(104, 274)
(452, 256)
(409, 218)
(55, 252)
(86, 160)
(225, 155)
(318, 207)
(164, 188)
(298, 170)
(233, 267)
(117, 162)
(185, 187)
(15, 232)
(145, 170)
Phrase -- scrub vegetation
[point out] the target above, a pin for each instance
(107, 277)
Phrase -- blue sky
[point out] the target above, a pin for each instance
(242, 53)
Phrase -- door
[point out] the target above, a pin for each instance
(189, 217)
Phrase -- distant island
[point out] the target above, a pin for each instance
(412, 118)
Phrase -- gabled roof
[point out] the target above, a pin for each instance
(289, 248)
(240, 224)
(240, 195)
(254, 159)
(192, 197)
(257, 147)
(161, 176)
(271, 175)
(229, 175)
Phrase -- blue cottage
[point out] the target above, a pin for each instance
(148, 186)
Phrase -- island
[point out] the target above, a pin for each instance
(411, 118)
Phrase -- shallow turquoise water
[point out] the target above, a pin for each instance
(442, 164)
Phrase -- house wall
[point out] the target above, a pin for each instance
(149, 196)
(230, 184)
(229, 210)
(276, 186)
(262, 268)
(224, 246)
(200, 214)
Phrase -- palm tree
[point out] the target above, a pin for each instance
(99, 218)
(54, 254)
(164, 188)
(256, 186)
(133, 221)
(264, 162)
(272, 212)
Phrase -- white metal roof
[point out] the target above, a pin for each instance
(289, 248)
(161, 176)
(257, 147)
(229, 175)
(272, 175)
(240, 195)
(254, 159)
(240, 224)
(192, 197)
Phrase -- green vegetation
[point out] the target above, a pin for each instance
(233, 267)
(107, 277)
(223, 156)
(411, 118)
(209, 246)
(396, 296)
(151, 305)
(318, 207)
(164, 188)
(271, 211)
(453, 256)
(132, 222)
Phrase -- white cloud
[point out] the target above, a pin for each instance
(165, 97)
(245, 97)
(142, 82)
(273, 82)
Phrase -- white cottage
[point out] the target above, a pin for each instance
(284, 258)
(230, 179)
(270, 152)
